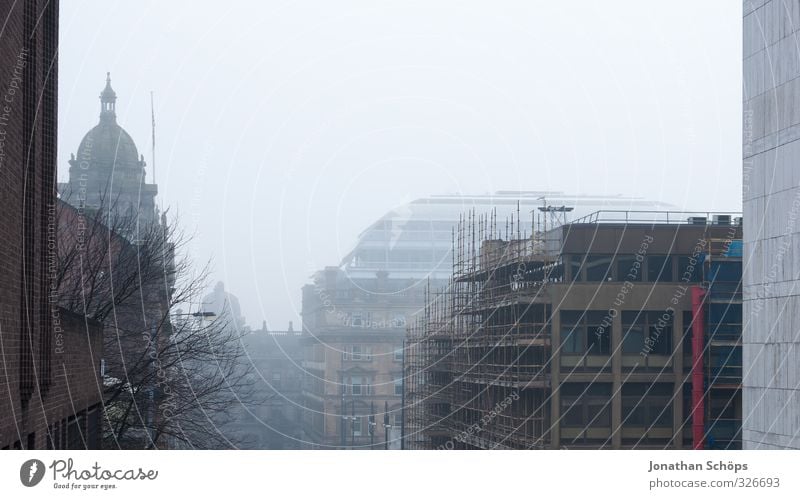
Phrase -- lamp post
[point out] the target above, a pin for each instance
(353, 424)
(386, 425)
(154, 368)
(344, 418)
(372, 425)
(403, 402)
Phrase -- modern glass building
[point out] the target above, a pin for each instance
(415, 240)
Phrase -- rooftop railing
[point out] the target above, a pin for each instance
(666, 217)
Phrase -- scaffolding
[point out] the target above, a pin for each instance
(478, 368)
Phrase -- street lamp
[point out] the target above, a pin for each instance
(386, 425)
(202, 314)
(372, 425)
(154, 368)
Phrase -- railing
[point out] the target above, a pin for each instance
(644, 216)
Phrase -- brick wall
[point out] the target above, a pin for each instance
(40, 348)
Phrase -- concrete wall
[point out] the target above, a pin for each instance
(771, 173)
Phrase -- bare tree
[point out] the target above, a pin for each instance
(169, 379)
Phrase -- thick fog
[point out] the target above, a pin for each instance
(284, 129)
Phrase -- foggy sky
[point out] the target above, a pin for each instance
(284, 129)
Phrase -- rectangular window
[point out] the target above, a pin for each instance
(575, 265)
(356, 385)
(647, 405)
(355, 352)
(687, 332)
(647, 332)
(629, 269)
(659, 339)
(356, 319)
(659, 268)
(598, 333)
(357, 426)
(571, 413)
(585, 407)
(398, 386)
(599, 268)
(724, 313)
(572, 339)
(690, 269)
(598, 412)
(585, 332)
(398, 354)
(633, 341)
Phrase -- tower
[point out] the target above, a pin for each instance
(107, 172)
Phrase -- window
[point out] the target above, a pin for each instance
(723, 406)
(647, 332)
(599, 268)
(358, 426)
(356, 319)
(688, 271)
(398, 354)
(360, 386)
(725, 321)
(633, 342)
(725, 272)
(573, 339)
(585, 332)
(659, 268)
(687, 332)
(724, 313)
(357, 352)
(629, 269)
(575, 265)
(356, 385)
(398, 386)
(725, 363)
(647, 405)
(585, 407)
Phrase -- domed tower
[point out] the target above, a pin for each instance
(107, 170)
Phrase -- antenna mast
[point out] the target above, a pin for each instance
(153, 121)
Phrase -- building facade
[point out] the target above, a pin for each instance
(355, 315)
(50, 394)
(600, 333)
(353, 331)
(274, 419)
(771, 189)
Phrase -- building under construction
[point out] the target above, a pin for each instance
(617, 330)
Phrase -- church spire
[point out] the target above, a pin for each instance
(108, 100)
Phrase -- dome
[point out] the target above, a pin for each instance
(108, 146)
(107, 149)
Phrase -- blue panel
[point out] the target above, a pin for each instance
(734, 249)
